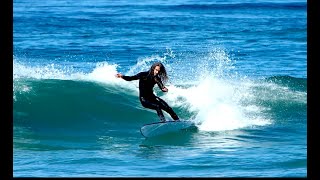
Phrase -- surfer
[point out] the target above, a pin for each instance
(156, 75)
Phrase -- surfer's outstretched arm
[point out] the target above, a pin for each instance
(129, 78)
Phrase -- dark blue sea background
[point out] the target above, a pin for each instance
(236, 68)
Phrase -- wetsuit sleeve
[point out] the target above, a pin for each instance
(131, 78)
(159, 82)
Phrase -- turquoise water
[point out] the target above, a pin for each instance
(237, 69)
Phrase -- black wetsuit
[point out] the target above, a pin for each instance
(147, 98)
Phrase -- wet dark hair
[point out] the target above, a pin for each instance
(162, 73)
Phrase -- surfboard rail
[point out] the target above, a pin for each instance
(160, 128)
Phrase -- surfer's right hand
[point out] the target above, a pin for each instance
(118, 75)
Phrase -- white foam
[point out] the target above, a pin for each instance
(218, 104)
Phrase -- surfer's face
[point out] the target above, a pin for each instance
(156, 70)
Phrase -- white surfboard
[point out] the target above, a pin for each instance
(160, 128)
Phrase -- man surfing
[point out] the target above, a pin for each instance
(156, 75)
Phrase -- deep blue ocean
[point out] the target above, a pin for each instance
(238, 69)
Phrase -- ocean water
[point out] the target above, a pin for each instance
(236, 68)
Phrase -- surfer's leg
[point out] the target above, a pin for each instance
(153, 105)
(167, 108)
